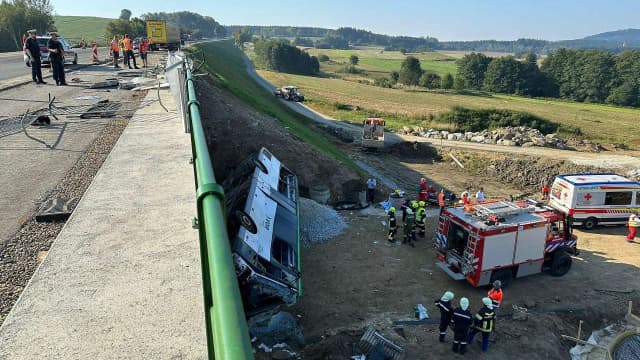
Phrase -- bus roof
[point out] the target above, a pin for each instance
(596, 179)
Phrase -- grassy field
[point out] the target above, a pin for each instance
(376, 62)
(78, 27)
(224, 61)
(402, 107)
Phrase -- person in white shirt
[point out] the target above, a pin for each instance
(371, 189)
(480, 195)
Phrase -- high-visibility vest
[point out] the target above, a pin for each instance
(114, 46)
(127, 44)
(634, 221)
(441, 199)
(495, 296)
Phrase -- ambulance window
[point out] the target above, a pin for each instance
(618, 198)
(638, 198)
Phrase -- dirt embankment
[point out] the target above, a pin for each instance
(235, 131)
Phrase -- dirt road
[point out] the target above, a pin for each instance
(628, 161)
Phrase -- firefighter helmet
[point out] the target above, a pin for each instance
(464, 303)
(414, 204)
(447, 296)
(422, 203)
(392, 210)
(487, 302)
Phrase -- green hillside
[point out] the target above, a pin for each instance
(75, 28)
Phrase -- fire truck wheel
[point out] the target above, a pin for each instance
(560, 263)
(246, 221)
(504, 275)
(589, 223)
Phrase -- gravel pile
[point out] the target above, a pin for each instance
(21, 255)
(319, 222)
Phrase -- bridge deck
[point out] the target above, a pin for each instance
(122, 280)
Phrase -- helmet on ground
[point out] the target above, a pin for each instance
(464, 303)
(487, 302)
(447, 296)
(422, 203)
(392, 209)
(497, 284)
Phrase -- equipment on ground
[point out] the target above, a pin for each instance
(503, 240)
(163, 35)
(373, 133)
(592, 199)
(290, 93)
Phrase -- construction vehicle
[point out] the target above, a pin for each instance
(373, 133)
(503, 240)
(163, 35)
(263, 213)
(595, 199)
(290, 93)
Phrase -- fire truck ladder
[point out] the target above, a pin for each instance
(500, 209)
(470, 251)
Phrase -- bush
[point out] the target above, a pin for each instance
(280, 56)
(465, 119)
(350, 69)
(323, 58)
(384, 82)
(430, 80)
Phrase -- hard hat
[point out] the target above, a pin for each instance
(414, 204)
(422, 203)
(392, 209)
(32, 31)
(447, 296)
(487, 302)
(464, 303)
(497, 284)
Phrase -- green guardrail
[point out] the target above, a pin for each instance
(226, 325)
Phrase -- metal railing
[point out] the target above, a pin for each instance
(225, 321)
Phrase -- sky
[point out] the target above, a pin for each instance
(443, 19)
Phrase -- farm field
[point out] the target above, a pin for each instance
(351, 101)
(76, 27)
(376, 62)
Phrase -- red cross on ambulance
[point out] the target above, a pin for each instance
(588, 196)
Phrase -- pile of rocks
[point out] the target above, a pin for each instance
(319, 222)
(507, 136)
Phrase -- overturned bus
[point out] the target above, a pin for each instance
(263, 220)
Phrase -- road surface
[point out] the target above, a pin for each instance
(12, 64)
(628, 161)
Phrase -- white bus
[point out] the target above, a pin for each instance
(595, 199)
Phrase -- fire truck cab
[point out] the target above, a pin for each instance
(503, 240)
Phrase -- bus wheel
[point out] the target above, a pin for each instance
(560, 263)
(504, 275)
(589, 223)
(246, 221)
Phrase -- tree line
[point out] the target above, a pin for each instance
(279, 55)
(18, 16)
(595, 76)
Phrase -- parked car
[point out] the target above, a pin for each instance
(70, 54)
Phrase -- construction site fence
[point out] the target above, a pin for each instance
(226, 327)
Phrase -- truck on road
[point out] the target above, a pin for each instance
(163, 35)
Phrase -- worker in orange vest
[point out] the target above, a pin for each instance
(495, 294)
(115, 51)
(127, 44)
(441, 200)
(545, 192)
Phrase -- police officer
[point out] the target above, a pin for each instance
(393, 225)
(420, 217)
(483, 322)
(446, 310)
(56, 57)
(32, 48)
(409, 228)
(461, 321)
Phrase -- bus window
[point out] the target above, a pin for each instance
(618, 198)
(637, 198)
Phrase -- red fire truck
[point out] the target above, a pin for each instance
(503, 240)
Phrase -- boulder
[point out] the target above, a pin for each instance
(508, 143)
(478, 138)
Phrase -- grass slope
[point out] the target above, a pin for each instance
(77, 27)
(415, 107)
(224, 61)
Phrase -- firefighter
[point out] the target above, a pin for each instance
(634, 224)
(446, 310)
(461, 321)
(409, 228)
(483, 322)
(495, 294)
(393, 225)
(421, 216)
(416, 211)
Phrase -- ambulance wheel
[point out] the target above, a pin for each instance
(560, 263)
(246, 221)
(589, 223)
(504, 275)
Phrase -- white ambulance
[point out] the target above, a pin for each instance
(595, 199)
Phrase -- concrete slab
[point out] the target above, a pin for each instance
(122, 280)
